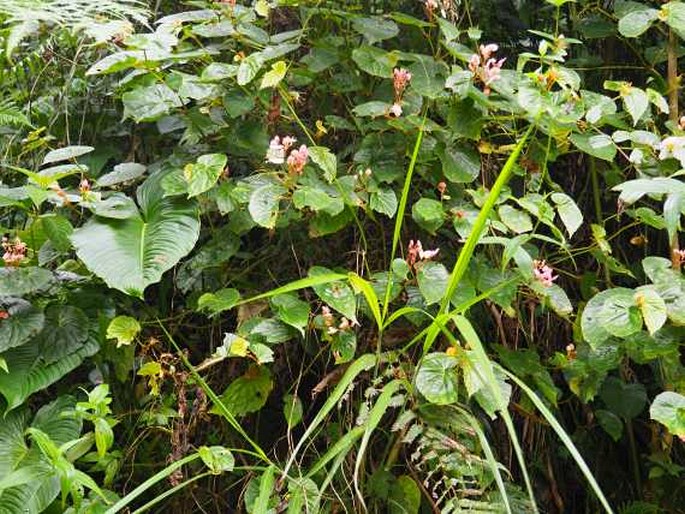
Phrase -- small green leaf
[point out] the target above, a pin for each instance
(24, 281)
(384, 201)
(374, 61)
(516, 220)
(292, 410)
(432, 278)
(67, 153)
(600, 146)
(637, 21)
(375, 29)
(668, 409)
(264, 204)
(636, 103)
(570, 214)
(217, 458)
(620, 315)
(124, 329)
(652, 307)
(202, 175)
(428, 214)
(610, 422)
(249, 67)
(437, 380)
(291, 311)
(337, 295)
(247, 393)
(625, 400)
(219, 301)
(404, 496)
(274, 76)
(326, 160)
(150, 103)
(460, 163)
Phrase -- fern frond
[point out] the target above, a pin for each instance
(72, 14)
(11, 115)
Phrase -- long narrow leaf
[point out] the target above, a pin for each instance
(361, 364)
(564, 438)
(375, 416)
(479, 225)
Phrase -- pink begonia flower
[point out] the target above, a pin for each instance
(288, 141)
(297, 160)
(396, 110)
(484, 67)
(14, 252)
(474, 63)
(415, 253)
(487, 50)
(400, 80)
(543, 273)
(491, 71)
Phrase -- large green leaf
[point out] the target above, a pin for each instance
(23, 281)
(42, 485)
(28, 372)
(24, 322)
(130, 254)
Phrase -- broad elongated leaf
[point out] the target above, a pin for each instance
(130, 254)
(29, 374)
(23, 281)
(122, 173)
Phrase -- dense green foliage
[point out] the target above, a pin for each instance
(341, 256)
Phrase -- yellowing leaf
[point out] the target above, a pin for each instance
(274, 76)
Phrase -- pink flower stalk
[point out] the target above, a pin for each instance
(543, 273)
(15, 252)
(484, 67)
(297, 160)
(400, 80)
(491, 71)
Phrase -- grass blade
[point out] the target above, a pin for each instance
(539, 404)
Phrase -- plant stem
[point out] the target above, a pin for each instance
(673, 90)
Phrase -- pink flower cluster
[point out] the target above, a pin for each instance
(416, 253)
(485, 67)
(543, 273)
(297, 160)
(278, 148)
(400, 81)
(14, 251)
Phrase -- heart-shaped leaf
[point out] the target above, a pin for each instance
(130, 254)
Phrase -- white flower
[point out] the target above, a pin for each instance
(396, 110)
(673, 147)
(276, 152)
